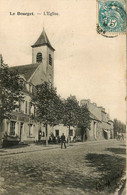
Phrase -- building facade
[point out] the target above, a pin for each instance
(41, 69)
(101, 126)
(58, 130)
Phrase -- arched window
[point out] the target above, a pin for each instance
(50, 59)
(39, 57)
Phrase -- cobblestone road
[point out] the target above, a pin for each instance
(77, 170)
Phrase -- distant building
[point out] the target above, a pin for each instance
(59, 129)
(101, 126)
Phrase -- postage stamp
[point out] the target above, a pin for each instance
(111, 16)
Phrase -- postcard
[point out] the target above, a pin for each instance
(62, 97)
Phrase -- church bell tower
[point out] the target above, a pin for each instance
(43, 54)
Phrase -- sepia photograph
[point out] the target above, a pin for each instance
(63, 97)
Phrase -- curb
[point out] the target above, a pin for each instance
(29, 151)
(50, 147)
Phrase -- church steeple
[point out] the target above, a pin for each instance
(43, 40)
(43, 54)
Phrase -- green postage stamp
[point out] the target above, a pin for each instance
(111, 16)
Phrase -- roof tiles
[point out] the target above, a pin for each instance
(25, 70)
(43, 40)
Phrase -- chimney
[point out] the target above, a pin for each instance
(82, 102)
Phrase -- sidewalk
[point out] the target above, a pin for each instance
(34, 147)
(25, 149)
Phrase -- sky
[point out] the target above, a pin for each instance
(87, 65)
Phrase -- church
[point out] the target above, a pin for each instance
(42, 69)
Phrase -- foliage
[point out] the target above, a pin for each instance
(118, 127)
(84, 120)
(71, 112)
(10, 91)
(47, 104)
(75, 115)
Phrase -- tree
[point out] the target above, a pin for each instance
(84, 120)
(119, 127)
(48, 105)
(116, 127)
(10, 92)
(71, 112)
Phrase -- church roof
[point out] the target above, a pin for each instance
(43, 40)
(92, 116)
(25, 70)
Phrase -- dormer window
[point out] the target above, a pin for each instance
(39, 57)
(50, 59)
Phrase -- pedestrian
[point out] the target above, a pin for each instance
(122, 137)
(40, 134)
(63, 141)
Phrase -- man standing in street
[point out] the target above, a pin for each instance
(63, 141)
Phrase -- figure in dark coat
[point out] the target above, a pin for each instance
(63, 141)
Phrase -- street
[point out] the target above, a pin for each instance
(82, 168)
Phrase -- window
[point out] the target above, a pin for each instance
(30, 129)
(71, 132)
(50, 59)
(19, 106)
(43, 134)
(27, 86)
(30, 107)
(26, 107)
(21, 130)
(39, 57)
(57, 132)
(12, 128)
(30, 88)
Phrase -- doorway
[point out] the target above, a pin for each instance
(95, 130)
(21, 131)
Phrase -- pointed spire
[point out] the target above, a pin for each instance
(43, 40)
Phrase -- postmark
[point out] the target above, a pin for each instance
(111, 17)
